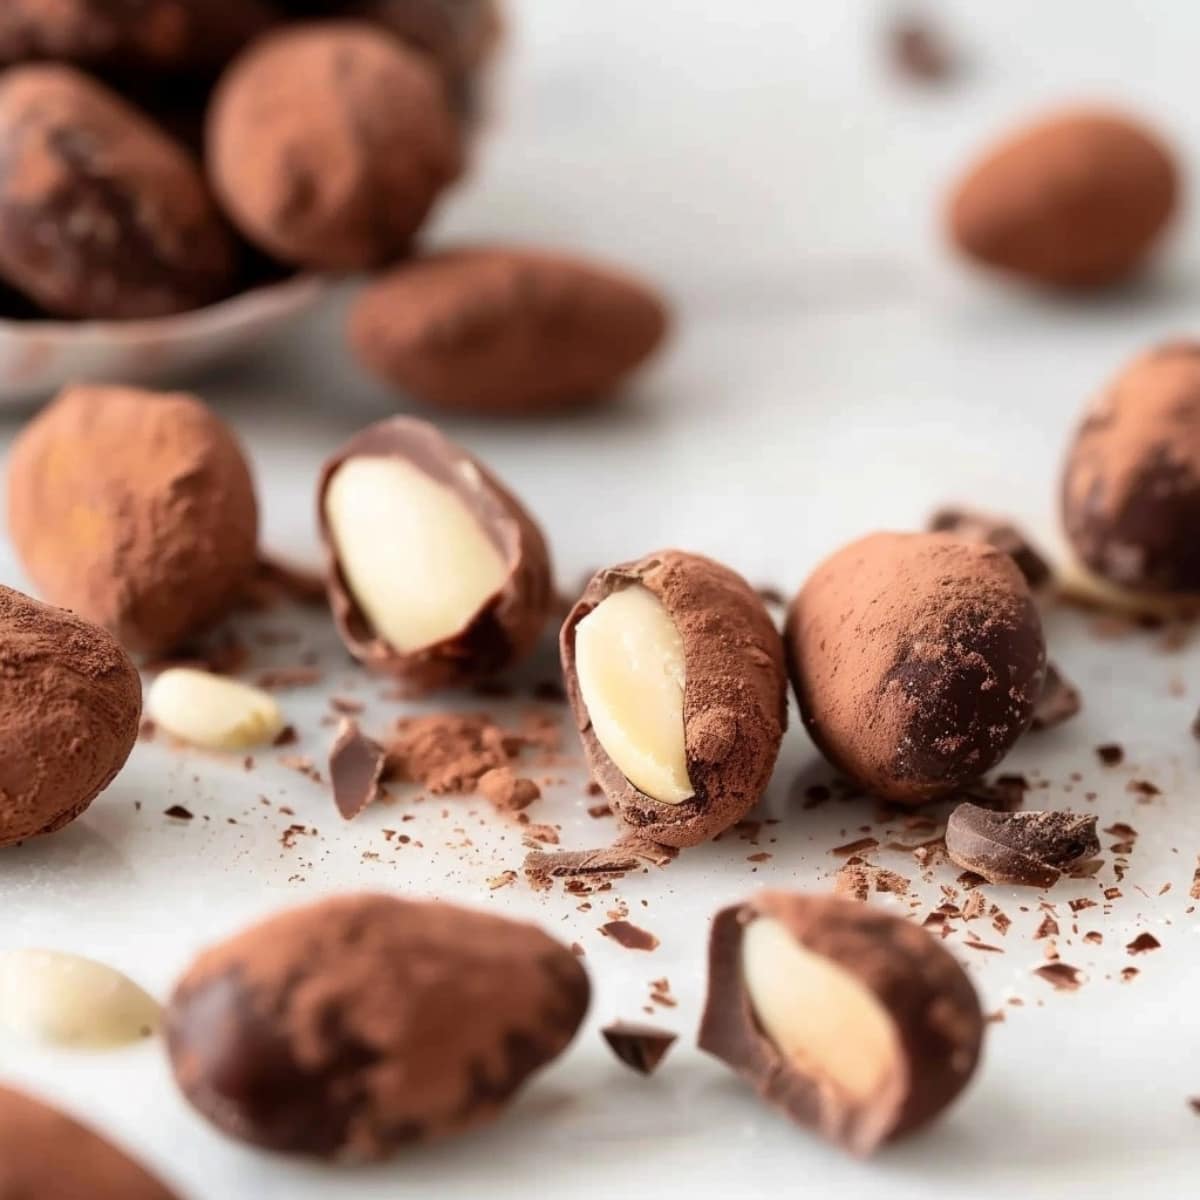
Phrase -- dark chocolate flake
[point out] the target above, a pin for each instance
(178, 812)
(1143, 943)
(1024, 848)
(355, 768)
(1059, 701)
(630, 936)
(1110, 754)
(1061, 976)
(640, 1047)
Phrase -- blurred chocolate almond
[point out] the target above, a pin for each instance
(1076, 200)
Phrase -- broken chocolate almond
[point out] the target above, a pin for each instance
(1031, 849)
(855, 1022)
(675, 674)
(356, 765)
(640, 1047)
(438, 576)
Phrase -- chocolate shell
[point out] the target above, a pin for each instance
(507, 626)
(735, 696)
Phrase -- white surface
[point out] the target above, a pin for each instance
(833, 373)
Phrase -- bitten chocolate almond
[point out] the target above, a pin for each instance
(356, 1026)
(856, 1023)
(437, 575)
(675, 675)
(1131, 483)
(46, 1154)
(70, 705)
(136, 510)
(1077, 200)
(917, 660)
(102, 214)
(506, 331)
(329, 143)
(1030, 849)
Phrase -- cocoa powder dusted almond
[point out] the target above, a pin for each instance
(329, 143)
(1075, 201)
(1131, 483)
(353, 1027)
(134, 509)
(917, 660)
(101, 214)
(70, 709)
(1026, 848)
(506, 331)
(675, 675)
(854, 1022)
(45, 1153)
(437, 575)
(187, 36)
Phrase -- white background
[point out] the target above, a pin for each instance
(832, 372)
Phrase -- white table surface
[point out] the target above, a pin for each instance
(833, 372)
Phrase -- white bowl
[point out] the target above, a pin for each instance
(39, 357)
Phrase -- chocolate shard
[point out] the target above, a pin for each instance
(1030, 849)
(856, 1023)
(994, 531)
(640, 1047)
(355, 769)
(1059, 701)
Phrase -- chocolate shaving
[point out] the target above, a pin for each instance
(355, 769)
(178, 812)
(1143, 943)
(640, 1047)
(1061, 976)
(1025, 848)
(630, 936)
(1059, 701)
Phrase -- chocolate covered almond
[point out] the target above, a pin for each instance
(438, 576)
(1076, 200)
(359, 1025)
(1131, 484)
(102, 214)
(136, 510)
(48, 1155)
(70, 705)
(856, 1023)
(506, 331)
(675, 675)
(917, 661)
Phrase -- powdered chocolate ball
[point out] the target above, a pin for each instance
(135, 509)
(1077, 200)
(917, 660)
(1131, 485)
(358, 1025)
(45, 1153)
(130, 35)
(675, 674)
(328, 144)
(506, 331)
(69, 712)
(101, 213)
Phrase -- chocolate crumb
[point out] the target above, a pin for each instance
(1143, 943)
(599, 810)
(1110, 754)
(1129, 973)
(630, 936)
(1061, 976)
(1194, 1102)
(640, 1047)
(1059, 701)
(286, 736)
(279, 679)
(507, 791)
(1143, 788)
(355, 769)
(178, 812)
(859, 847)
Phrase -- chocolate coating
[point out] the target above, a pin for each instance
(1031, 849)
(734, 704)
(69, 711)
(506, 628)
(358, 1025)
(927, 995)
(329, 143)
(136, 510)
(48, 1155)
(101, 214)
(505, 331)
(917, 660)
(130, 35)
(1131, 485)
(1074, 201)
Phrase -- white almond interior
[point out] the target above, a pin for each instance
(827, 1024)
(417, 562)
(630, 667)
(210, 710)
(67, 1000)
